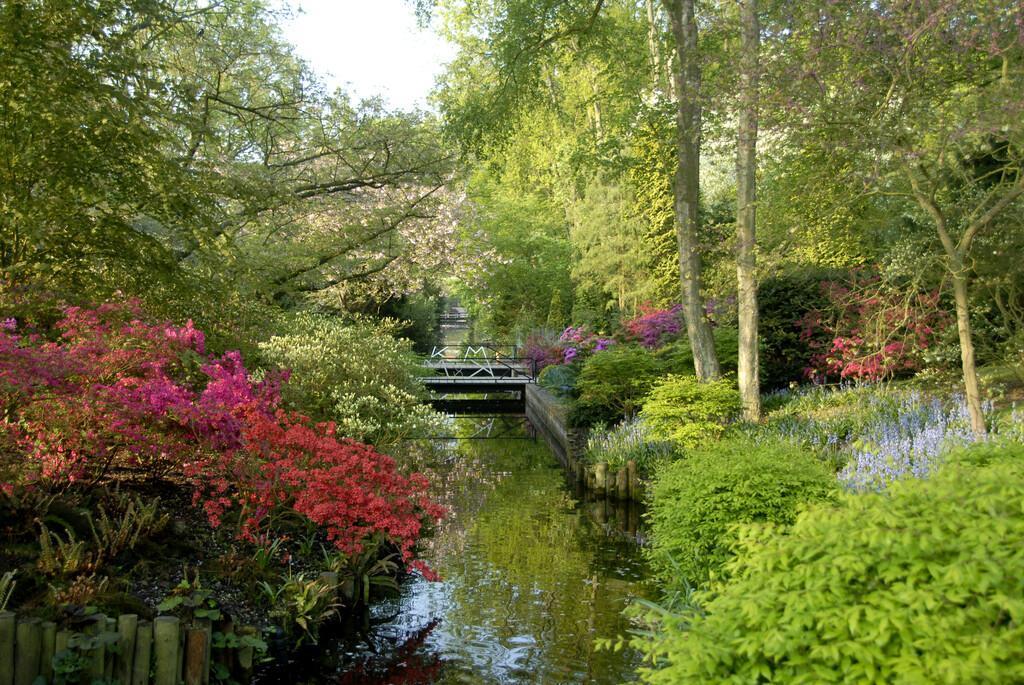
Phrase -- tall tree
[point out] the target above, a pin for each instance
(746, 208)
(687, 184)
(934, 91)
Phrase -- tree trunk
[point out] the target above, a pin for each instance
(746, 210)
(687, 186)
(970, 369)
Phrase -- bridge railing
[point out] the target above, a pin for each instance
(481, 360)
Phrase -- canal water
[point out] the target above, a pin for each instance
(532, 577)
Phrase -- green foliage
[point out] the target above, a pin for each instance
(612, 257)
(191, 601)
(696, 502)
(920, 584)
(558, 317)
(612, 384)
(510, 272)
(783, 299)
(690, 413)
(354, 373)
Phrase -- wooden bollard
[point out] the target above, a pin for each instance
(127, 625)
(631, 474)
(110, 626)
(62, 641)
(8, 628)
(601, 477)
(49, 649)
(28, 647)
(96, 657)
(165, 650)
(197, 664)
(623, 483)
(141, 662)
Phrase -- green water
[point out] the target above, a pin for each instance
(532, 577)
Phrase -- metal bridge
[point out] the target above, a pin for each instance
(495, 376)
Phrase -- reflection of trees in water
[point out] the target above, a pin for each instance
(536, 584)
(531, 582)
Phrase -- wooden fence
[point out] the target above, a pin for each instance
(131, 651)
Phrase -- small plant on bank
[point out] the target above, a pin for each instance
(697, 501)
(688, 413)
(301, 604)
(630, 440)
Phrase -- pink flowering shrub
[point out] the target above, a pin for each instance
(117, 395)
(872, 332)
(653, 326)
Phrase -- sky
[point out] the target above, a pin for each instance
(369, 48)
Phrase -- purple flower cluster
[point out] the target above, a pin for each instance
(577, 341)
(909, 442)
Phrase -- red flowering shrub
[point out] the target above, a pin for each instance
(346, 487)
(653, 326)
(871, 332)
(116, 393)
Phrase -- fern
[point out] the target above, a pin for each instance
(118, 534)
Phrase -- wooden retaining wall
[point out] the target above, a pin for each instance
(126, 650)
(549, 416)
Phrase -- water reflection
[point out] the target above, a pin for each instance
(531, 579)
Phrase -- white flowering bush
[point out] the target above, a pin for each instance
(355, 373)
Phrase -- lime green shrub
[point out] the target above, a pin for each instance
(921, 584)
(612, 384)
(697, 501)
(357, 374)
(690, 413)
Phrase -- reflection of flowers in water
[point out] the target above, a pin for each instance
(405, 666)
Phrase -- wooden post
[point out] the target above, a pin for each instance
(28, 647)
(622, 483)
(62, 641)
(165, 649)
(609, 483)
(110, 626)
(197, 663)
(143, 654)
(127, 625)
(632, 475)
(601, 477)
(49, 649)
(8, 628)
(95, 668)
